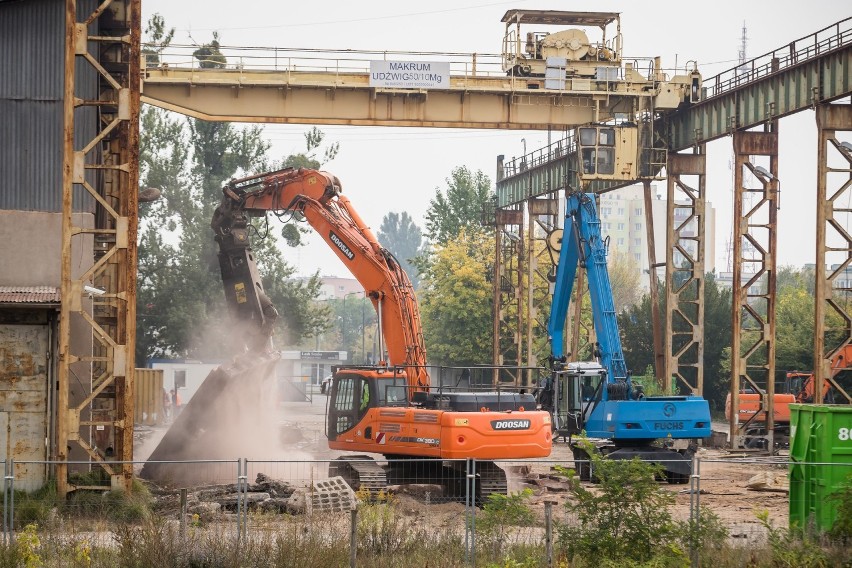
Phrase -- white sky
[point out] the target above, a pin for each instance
(398, 169)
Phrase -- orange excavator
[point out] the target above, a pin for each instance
(799, 387)
(391, 408)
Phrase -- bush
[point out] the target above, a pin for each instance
(626, 519)
(499, 514)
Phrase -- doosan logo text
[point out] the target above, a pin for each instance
(510, 424)
(347, 252)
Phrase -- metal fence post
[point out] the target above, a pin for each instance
(242, 495)
(353, 536)
(470, 512)
(183, 513)
(694, 510)
(5, 501)
(548, 532)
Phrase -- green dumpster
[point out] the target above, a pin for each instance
(821, 461)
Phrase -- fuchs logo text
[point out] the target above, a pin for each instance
(510, 424)
(341, 245)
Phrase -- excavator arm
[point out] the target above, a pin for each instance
(316, 196)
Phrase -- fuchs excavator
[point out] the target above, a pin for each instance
(389, 409)
(799, 387)
(599, 398)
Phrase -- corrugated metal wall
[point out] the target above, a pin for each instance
(32, 61)
(149, 397)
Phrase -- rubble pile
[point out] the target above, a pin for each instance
(266, 494)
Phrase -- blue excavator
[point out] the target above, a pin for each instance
(599, 398)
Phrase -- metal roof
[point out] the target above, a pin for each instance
(29, 295)
(561, 17)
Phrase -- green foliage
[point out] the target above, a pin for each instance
(460, 207)
(636, 326)
(355, 324)
(792, 548)
(209, 56)
(500, 514)
(181, 309)
(624, 279)
(400, 235)
(626, 518)
(456, 301)
(381, 529)
(650, 385)
(292, 231)
(158, 40)
(841, 531)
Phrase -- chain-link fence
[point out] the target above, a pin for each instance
(358, 510)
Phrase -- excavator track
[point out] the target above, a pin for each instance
(490, 479)
(360, 472)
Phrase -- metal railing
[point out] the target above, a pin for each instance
(798, 51)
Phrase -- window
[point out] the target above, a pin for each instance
(621, 226)
(638, 211)
(606, 137)
(344, 403)
(621, 210)
(637, 242)
(605, 226)
(180, 379)
(587, 136)
(606, 210)
(637, 226)
(637, 256)
(621, 241)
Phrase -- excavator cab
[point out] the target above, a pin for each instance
(355, 391)
(572, 393)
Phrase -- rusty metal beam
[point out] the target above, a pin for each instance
(684, 335)
(654, 291)
(832, 321)
(754, 279)
(108, 40)
(543, 215)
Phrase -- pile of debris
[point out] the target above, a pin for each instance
(265, 495)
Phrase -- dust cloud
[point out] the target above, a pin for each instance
(234, 414)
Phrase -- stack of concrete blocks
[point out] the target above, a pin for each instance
(332, 494)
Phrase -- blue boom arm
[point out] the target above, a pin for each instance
(622, 413)
(583, 245)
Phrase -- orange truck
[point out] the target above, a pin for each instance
(799, 387)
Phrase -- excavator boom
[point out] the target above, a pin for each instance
(317, 197)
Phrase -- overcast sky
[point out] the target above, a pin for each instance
(396, 169)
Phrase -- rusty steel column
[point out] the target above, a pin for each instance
(754, 280)
(654, 290)
(685, 213)
(506, 293)
(497, 312)
(832, 321)
(105, 169)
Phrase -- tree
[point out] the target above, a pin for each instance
(624, 278)
(158, 39)
(293, 232)
(400, 235)
(456, 306)
(179, 291)
(460, 207)
(637, 337)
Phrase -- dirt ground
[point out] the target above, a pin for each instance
(723, 476)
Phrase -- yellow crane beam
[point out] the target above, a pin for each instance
(469, 101)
